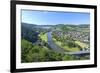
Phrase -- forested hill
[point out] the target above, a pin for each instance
(28, 33)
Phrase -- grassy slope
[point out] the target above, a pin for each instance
(83, 45)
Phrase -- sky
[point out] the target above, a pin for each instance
(54, 18)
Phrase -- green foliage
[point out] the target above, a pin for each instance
(36, 53)
(28, 33)
(68, 57)
(35, 48)
(25, 50)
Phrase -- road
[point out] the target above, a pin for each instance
(61, 50)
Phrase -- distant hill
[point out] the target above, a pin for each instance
(28, 25)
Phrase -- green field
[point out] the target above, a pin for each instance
(73, 49)
(83, 45)
(43, 36)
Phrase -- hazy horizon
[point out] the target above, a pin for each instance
(56, 24)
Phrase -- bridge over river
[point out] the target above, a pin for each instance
(61, 50)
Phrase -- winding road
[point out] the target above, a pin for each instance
(61, 50)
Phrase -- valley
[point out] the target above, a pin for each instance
(60, 42)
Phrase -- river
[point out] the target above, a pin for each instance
(52, 44)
